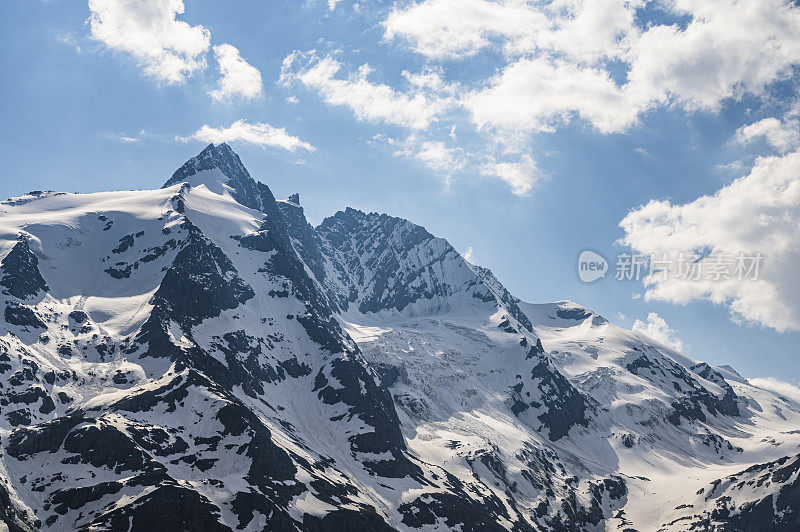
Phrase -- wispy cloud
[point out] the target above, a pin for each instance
(469, 255)
(779, 387)
(259, 134)
(124, 137)
(368, 100)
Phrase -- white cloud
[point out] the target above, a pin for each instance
(431, 79)
(538, 94)
(438, 156)
(434, 154)
(603, 62)
(125, 138)
(238, 78)
(782, 388)
(469, 255)
(657, 329)
(369, 101)
(259, 134)
(783, 136)
(70, 40)
(729, 48)
(459, 28)
(596, 60)
(521, 174)
(168, 49)
(583, 30)
(66, 38)
(755, 214)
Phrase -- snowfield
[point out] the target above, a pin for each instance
(199, 357)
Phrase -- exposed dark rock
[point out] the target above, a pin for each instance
(45, 437)
(104, 445)
(20, 272)
(365, 519)
(22, 316)
(167, 508)
(457, 512)
(390, 374)
(733, 511)
(564, 406)
(21, 416)
(201, 283)
(694, 400)
(373, 405)
(729, 404)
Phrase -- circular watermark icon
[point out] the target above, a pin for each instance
(592, 266)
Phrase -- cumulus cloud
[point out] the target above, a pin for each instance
(756, 215)
(583, 30)
(259, 134)
(603, 60)
(538, 94)
(168, 49)
(238, 78)
(781, 135)
(438, 156)
(369, 101)
(459, 28)
(728, 49)
(427, 99)
(657, 329)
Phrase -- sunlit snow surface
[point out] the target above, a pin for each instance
(253, 420)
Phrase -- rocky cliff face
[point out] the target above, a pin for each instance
(200, 357)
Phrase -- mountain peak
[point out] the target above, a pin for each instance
(213, 156)
(219, 165)
(294, 198)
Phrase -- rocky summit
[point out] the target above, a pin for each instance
(200, 357)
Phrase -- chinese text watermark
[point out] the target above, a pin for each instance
(682, 267)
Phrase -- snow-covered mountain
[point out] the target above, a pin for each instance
(199, 357)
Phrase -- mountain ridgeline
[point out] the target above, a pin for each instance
(200, 357)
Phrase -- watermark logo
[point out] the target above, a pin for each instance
(688, 267)
(591, 266)
(652, 268)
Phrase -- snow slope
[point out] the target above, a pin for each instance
(200, 357)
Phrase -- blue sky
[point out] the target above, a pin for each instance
(517, 130)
